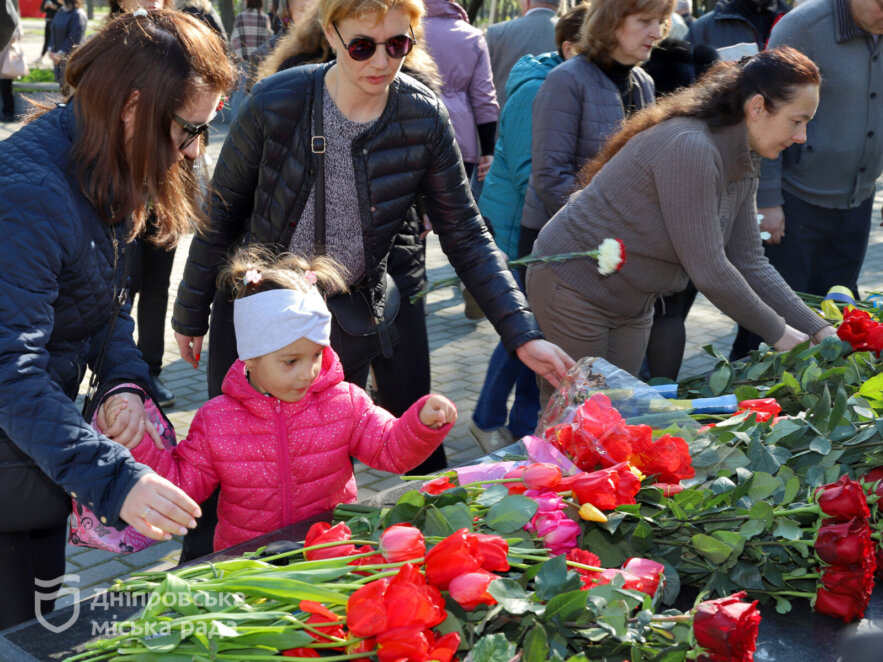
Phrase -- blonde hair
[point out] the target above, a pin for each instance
(287, 271)
(308, 40)
(605, 17)
(334, 11)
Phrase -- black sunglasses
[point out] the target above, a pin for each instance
(362, 48)
(193, 132)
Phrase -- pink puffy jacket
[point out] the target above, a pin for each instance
(281, 462)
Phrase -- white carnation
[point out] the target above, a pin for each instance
(609, 257)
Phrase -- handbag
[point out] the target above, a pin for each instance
(85, 528)
(12, 62)
(364, 335)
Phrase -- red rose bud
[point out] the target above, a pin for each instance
(402, 542)
(875, 476)
(845, 607)
(727, 628)
(844, 543)
(470, 589)
(648, 573)
(843, 499)
(438, 485)
(321, 533)
(541, 476)
(453, 556)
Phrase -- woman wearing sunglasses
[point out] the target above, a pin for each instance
(386, 140)
(75, 185)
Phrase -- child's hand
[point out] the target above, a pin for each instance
(438, 411)
(110, 410)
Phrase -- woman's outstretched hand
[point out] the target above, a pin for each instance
(546, 359)
(158, 509)
(190, 347)
(790, 339)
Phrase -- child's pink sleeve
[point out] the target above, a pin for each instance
(188, 465)
(385, 442)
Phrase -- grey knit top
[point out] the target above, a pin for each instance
(681, 197)
(343, 223)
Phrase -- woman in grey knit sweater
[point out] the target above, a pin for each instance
(677, 185)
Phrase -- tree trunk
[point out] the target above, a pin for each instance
(90, 9)
(228, 14)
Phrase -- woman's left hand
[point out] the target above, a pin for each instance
(823, 333)
(130, 426)
(546, 359)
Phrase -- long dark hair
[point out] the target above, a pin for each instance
(719, 97)
(166, 57)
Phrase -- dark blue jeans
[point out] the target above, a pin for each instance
(504, 373)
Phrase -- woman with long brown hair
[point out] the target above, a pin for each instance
(77, 183)
(677, 185)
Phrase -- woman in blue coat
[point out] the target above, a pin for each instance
(75, 185)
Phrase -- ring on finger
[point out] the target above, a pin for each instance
(146, 512)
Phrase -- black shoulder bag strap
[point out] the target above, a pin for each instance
(119, 298)
(317, 145)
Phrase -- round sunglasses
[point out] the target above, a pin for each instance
(362, 48)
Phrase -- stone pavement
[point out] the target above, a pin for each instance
(459, 352)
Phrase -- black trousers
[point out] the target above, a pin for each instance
(7, 96)
(400, 381)
(821, 248)
(33, 534)
(151, 271)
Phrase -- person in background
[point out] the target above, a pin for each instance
(67, 31)
(49, 8)
(817, 198)
(6, 93)
(501, 202)
(250, 30)
(287, 391)
(530, 34)
(677, 185)
(684, 9)
(204, 11)
(145, 86)
(737, 22)
(584, 101)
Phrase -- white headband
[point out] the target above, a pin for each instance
(274, 319)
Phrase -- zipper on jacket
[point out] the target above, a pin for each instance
(284, 463)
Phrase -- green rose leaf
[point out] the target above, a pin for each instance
(763, 485)
(820, 445)
(493, 648)
(713, 549)
(790, 382)
(510, 514)
(553, 578)
(767, 458)
(721, 378)
(566, 605)
(510, 595)
(536, 645)
(492, 495)
(788, 529)
(783, 606)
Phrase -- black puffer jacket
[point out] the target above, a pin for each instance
(265, 173)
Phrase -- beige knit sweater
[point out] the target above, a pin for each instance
(681, 196)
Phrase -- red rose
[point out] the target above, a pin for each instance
(874, 476)
(402, 542)
(456, 554)
(843, 499)
(727, 628)
(857, 581)
(541, 476)
(844, 543)
(861, 331)
(839, 605)
(321, 533)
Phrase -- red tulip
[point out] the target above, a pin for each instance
(470, 589)
(323, 532)
(414, 644)
(515, 488)
(648, 572)
(438, 485)
(669, 489)
(727, 628)
(608, 488)
(494, 552)
(319, 613)
(763, 408)
(843, 499)
(402, 542)
(366, 646)
(667, 458)
(541, 476)
(405, 600)
(456, 554)
(844, 543)
(374, 559)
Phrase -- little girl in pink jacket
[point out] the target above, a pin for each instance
(280, 438)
